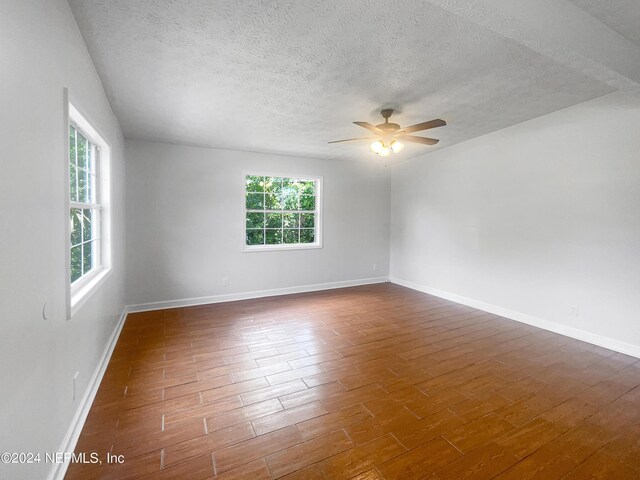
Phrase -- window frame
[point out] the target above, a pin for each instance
(79, 291)
(318, 179)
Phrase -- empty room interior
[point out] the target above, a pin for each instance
(320, 239)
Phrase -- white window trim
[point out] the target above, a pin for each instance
(286, 246)
(80, 291)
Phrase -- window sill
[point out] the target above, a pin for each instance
(80, 295)
(275, 248)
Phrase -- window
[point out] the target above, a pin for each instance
(84, 205)
(88, 253)
(282, 212)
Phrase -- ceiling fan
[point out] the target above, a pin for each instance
(388, 135)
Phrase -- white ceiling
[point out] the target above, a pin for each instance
(287, 76)
(623, 16)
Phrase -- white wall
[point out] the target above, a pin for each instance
(185, 223)
(42, 52)
(536, 218)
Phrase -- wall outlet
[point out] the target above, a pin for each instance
(74, 379)
(375, 267)
(574, 311)
(225, 281)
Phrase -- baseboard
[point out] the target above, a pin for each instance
(232, 297)
(70, 440)
(576, 333)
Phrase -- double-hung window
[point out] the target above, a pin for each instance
(88, 253)
(282, 212)
(84, 205)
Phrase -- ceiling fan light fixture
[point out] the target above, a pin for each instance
(396, 146)
(377, 147)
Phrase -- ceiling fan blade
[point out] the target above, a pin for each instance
(368, 126)
(424, 126)
(352, 139)
(422, 140)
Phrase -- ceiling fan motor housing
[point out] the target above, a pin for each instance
(386, 113)
(389, 127)
(386, 126)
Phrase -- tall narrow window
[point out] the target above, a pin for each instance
(84, 203)
(282, 212)
(89, 250)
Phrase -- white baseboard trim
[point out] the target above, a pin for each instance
(70, 439)
(232, 297)
(576, 333)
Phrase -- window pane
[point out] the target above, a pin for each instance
(72, 145)
(290, 220)
(255, 220)
(87, 257)
(255, 201)
(307, 220)
(255, 237)
(82, 151)
(274, 220)
(291, 236)
(273, 202)
(87, 225)
(274, 237)
(289, 199)
(82, 186)
(255, 184)
(307, 202)
(308, 188)
(273, 185)
(76, 226)
(76, 263)
(307, 235)
(73, 188)
(290, 183)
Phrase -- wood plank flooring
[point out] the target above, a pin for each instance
(373, 382)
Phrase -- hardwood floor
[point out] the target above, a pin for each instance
(367, 383)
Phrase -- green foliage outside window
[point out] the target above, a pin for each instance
(82, 192)
(280, 210)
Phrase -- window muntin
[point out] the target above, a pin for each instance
(281, 212)
(84, 206)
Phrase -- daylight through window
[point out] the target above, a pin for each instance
(282, 212)
(84, 205)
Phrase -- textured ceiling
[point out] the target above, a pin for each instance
(623, 16)
(288, 76)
